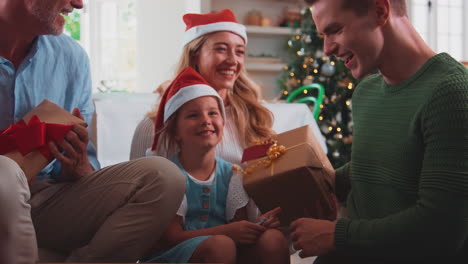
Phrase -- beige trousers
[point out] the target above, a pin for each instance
(114, 215)
(17, 237)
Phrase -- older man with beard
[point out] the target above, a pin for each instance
(85, 213)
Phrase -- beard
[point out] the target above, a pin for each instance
(48, 17)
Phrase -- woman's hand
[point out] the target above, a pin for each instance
(243, 232)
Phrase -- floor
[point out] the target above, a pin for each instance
(295, 259)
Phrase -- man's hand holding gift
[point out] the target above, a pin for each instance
(314, 237)
(27, 141)
(71, 152)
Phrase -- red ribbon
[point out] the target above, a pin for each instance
(32, 136)
(255, 152)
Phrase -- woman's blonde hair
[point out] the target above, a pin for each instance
(252, 119)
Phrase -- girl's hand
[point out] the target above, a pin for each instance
(271, 217)
(243, 232)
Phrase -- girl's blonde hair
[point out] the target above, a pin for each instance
(252, 119)
(167, 144)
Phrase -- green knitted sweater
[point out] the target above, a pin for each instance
(408, 175)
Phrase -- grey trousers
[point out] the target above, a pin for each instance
(114, 215)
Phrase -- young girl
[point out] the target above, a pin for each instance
(210, 225)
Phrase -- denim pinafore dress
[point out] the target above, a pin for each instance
(206, 206)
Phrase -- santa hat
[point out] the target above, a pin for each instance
(201, 24)
(188, 85)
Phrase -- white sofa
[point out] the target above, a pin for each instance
(117, 115)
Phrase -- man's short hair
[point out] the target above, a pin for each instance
(362, 6)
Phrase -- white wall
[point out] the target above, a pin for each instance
(159, 38)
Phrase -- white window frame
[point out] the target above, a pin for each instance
(90, 38)
(432, 26)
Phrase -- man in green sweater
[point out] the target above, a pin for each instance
(407, 182)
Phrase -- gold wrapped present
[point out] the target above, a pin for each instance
(295, 175)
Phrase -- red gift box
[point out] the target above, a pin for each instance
(26, 142)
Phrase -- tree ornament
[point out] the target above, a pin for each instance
(324, 129)
(328, 69)
(336, 154)
(325, 100)
(338, 117)
(300, 52)
(292, 83)
(318, 54)
(315, 64)
(308, 80)
(338, 136)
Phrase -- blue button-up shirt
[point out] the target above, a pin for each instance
(56, 68)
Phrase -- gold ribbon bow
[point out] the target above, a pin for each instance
(274, 151)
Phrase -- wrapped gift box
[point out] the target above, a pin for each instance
(47, 112)
(51, 113)
(301, 180)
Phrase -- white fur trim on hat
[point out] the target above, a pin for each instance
(189, 93)
(201, 30)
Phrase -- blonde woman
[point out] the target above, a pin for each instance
(214, 45)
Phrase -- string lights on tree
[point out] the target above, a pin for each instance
(309, 65)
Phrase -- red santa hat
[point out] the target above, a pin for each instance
(201, 24)
(188, 85)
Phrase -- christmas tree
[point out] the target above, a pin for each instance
(309, 75)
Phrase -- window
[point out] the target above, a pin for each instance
(72, 26)
(442, 25)
(76, 26)
(107, 31)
